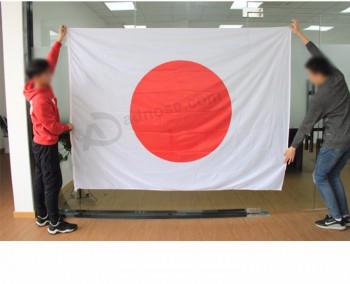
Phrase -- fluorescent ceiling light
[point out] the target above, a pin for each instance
(133, 27)
(318, 28)
(254, 4)
(237, 5)
(347, 10)
(120, 6)
(230, 26)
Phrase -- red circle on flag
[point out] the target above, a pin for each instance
(180, 111)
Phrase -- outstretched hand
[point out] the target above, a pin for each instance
(62, 31)
(71, 127)
(295, 26)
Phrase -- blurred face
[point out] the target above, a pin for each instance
(316, 78)
(43, 79)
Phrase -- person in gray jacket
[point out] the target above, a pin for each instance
(331, 102)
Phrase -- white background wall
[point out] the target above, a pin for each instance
(340, 56)
(2, 83)
(298, 83)
(13, 48)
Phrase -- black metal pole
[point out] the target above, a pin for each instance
(28, 55)
(28, 30)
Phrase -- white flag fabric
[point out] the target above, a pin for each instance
(179, 109)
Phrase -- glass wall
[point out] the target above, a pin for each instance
(299, 192)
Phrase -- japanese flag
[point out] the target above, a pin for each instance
(179, 109)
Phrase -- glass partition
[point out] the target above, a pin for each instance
(299, 192)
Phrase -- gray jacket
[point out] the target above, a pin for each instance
(331, 102)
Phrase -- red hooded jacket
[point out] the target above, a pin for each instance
(43, 107)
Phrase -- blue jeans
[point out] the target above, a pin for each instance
(330, 163)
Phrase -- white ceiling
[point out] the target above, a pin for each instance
(48, 15)
(211, 14)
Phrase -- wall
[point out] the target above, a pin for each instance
(298, 83)
(339, 55)
(2, 83)
(13, 44)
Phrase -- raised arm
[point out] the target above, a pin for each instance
(311, 47)
(295, 27)
(54, 52)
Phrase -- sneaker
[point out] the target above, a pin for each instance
(41, 222)
(346, 221)
(62, 227)
(331, 224)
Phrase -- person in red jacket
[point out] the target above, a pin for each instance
(46, 129)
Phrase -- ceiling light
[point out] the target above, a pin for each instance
(318, 28)
(237, 5)
(120, 6)
(254, 4)
(347, 10)
(230, 26)
(133, 27)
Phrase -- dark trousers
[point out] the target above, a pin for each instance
(48, 181)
